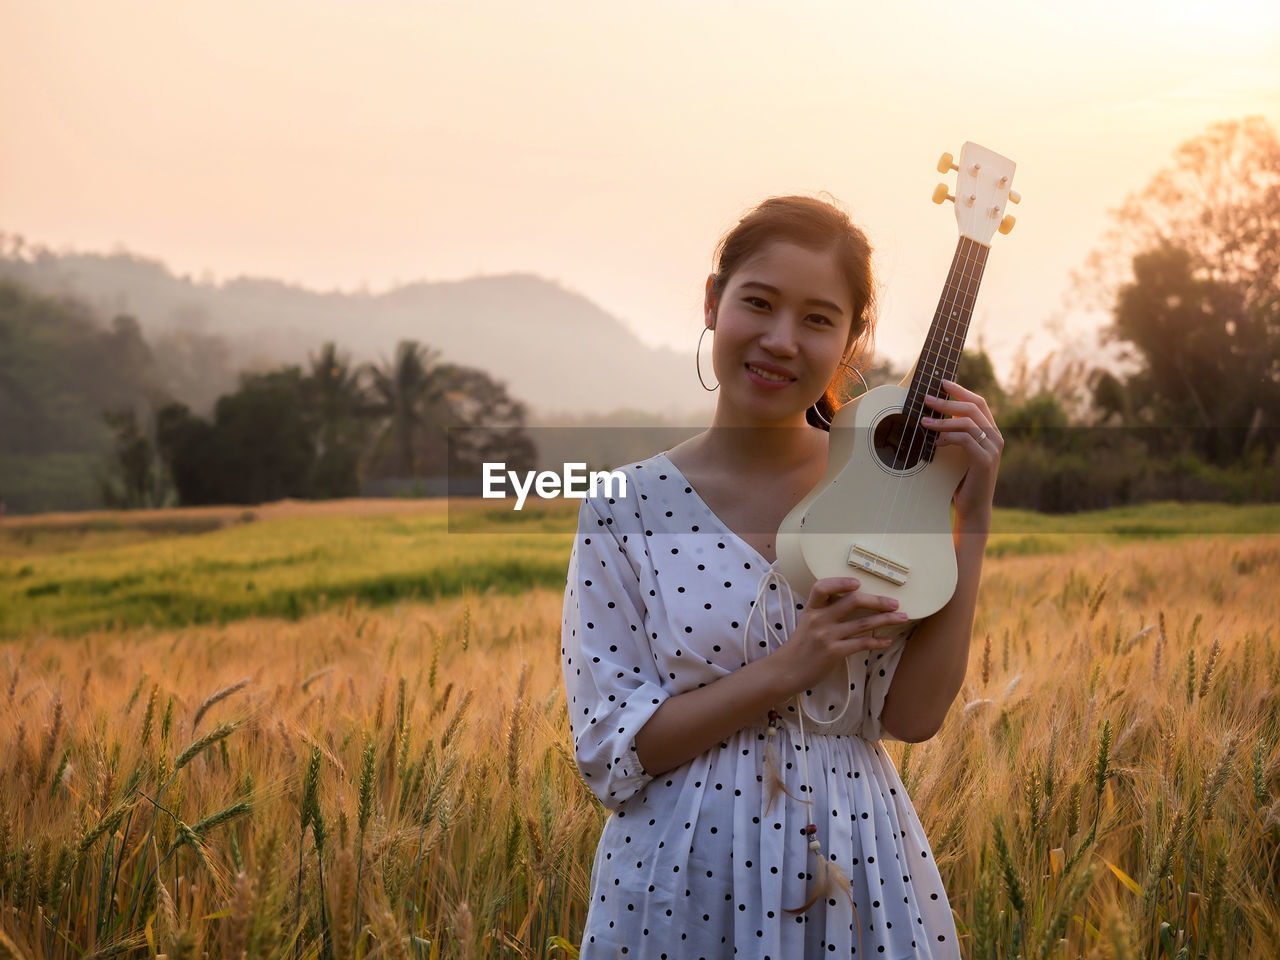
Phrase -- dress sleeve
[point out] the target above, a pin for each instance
(611, 683)
(880, 668)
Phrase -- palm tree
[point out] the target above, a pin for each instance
(336, 397)
(337, 394)
(409, 391)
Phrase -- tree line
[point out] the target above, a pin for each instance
(88, 417)
(318, 432)
(1190, 275)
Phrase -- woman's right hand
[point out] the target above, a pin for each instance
(836, 622)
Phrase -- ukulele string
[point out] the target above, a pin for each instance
(972, 276)
(892, 489)
(925, 377)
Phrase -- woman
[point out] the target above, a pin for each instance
(736, 821)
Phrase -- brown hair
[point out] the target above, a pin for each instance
(815, 224)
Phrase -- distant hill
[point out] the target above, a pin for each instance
(557, 351)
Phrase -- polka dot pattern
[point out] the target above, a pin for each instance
(690, 864)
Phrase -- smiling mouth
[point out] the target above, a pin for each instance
(765, 374)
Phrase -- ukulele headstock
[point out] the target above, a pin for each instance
(984, 186)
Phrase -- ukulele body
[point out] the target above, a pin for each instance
(889, 526)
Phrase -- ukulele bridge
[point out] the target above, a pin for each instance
(877, 565)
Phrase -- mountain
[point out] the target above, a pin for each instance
(558, 352)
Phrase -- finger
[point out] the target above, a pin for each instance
(848, 646)
(954, 388)
(830, 588)
(871, 603)
(956, 408)
(965, 438)
(960, 395)
(942, 402)
(960, 425)
(972, 434)
(866, 625)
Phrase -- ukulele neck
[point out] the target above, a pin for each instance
(940, 356)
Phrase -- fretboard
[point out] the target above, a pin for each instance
(940, 357)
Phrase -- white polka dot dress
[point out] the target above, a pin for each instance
(695, 863)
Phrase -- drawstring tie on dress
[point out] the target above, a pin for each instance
(828, 875)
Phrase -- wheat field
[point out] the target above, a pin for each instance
(395, 781)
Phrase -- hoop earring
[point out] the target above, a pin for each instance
(859, 375)
(865, 387)
(697, 362)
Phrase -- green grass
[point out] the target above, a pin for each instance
(284, 567)
(184, 569)
(97, 531)
(1167, 517)
(1027, 533)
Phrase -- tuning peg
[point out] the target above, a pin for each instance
(946, 163)
(1014, 195)
(940, 193)
(1007, 223)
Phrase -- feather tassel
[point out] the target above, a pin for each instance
(837, 879)
(828, 878)
(773, 781)
(822, 879)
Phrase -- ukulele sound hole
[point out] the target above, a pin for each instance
(899, 442)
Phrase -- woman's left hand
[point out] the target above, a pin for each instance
(972, 427)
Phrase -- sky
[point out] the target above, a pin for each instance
(606, 146)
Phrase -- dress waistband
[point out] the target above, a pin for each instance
(794, 728)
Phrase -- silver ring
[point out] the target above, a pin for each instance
(982, 434)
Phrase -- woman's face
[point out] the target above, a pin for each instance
(781, 326)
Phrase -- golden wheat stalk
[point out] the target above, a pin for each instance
(217, 697)
(221, 732)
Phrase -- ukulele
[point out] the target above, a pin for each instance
(882, 510)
